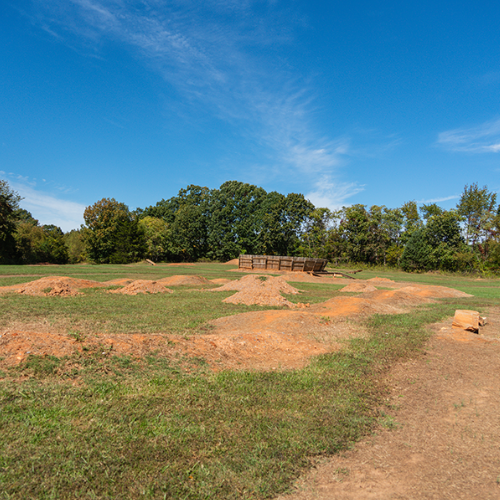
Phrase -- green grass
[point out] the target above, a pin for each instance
(313, 293)
(96, 311)
(93, 426)
(148, 429)
(109, 272)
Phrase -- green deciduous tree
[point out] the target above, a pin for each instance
(235, 220)
(416, 255)
(40, 244)
(411, 221)
(156, 232)
(75, 245)
(281, 222)
(9, 204)
(479, 208)
(111, 233)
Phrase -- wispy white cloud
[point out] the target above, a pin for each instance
(49, 209)
(206, 51)
(439, 200)
(330, 194)
(484, 138)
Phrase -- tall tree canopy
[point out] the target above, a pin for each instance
(111, 234)
(9, 203)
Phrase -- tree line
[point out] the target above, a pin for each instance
(219, 224)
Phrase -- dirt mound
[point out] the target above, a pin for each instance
(398, 297)
(258, 283)
(381, 280)
(61, 286)
(235, 350)
(233, 262)
(358, 287)
(260, 290)
(142, 286)
(435, 292)
(259, 297)
(354, 306)
(377, 302)
(182, 279)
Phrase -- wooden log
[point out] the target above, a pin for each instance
(467, 320)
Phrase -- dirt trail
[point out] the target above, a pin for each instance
(260, 340)
(445, 443)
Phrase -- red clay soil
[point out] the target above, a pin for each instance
(233, 262)
(143, 286)
(284, 338)
(260, 290)
(183, 279)
(440, 292)
(441, 439)
(358, 287)
(52, 286)
(253, 282)
(381, 280)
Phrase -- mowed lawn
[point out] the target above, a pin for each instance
(93, 426)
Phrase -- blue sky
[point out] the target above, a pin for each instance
(345, 102)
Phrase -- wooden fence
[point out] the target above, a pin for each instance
(280, 263)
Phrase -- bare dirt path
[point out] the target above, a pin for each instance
(444, 440)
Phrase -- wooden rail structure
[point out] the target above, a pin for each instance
(282, 263)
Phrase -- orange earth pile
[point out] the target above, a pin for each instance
(358, 287)
(142, 286)
(61, 286)
(183, 279)
(258, 282)
(233, 262)
(381, 280)
(436, 292)
(259, 290)
(284, 338)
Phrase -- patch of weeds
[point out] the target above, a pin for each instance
(47, 290)
(77, 336)
(324, 320)
(262, 278)
(341, 473)
(388, 422)
(2, 374)
(41, 366)
(199, 361)
(122, 361)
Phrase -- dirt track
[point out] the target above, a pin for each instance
(445, 442)
(262, 340)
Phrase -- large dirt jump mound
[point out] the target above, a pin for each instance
(259, 290)
(359, 287)
(435, 292)
(61, 286)
(184, 279)
(381, 280)
(142, 286)
(377, 302)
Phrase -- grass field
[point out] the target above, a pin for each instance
(95, 426)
